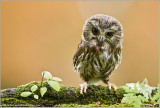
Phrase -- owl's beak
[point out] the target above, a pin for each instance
(100, 40)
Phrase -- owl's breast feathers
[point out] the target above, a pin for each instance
(91, 63)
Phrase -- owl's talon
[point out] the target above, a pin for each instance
(83, 87)
(111, 85)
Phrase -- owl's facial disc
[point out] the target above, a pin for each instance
(102, 37)
(103, 31)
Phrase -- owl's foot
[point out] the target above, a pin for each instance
(111, 85)
(83, 87)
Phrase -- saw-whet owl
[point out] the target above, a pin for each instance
(99, 51)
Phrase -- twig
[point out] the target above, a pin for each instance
(39, 89)
(42, 77)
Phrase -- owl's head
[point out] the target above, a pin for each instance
(103, 31)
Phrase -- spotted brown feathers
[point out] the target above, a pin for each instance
(97, 55)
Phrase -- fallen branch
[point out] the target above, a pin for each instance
(67, 95)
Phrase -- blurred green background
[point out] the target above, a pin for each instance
(45, 34)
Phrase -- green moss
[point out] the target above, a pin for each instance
(69, 95)
(13, 102)
(27, 87)
(93, 105)
(96, 96)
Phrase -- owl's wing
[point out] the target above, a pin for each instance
(80, 50)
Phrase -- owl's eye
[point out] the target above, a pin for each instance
(95, 31)
(109, 34)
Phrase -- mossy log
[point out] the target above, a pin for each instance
(67, 96)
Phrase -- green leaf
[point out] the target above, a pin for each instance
(56, 79)
(134, 94)
(46, 74)
(145, 89)
(36, 96)
(137, 103)
(132, 100)
(131, 85)
(142, 98)
(54, 84)
(127, 89)
(25, 94)
(128, 98)
(145, 94)
(129, 95)
(131, 88)
(43, 90)
(34, 88)
(124, 100)
(156, 96)
(136, 88)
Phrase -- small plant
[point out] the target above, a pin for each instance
(52, 81)
(140, 93)
(33, 89)
(155, 98)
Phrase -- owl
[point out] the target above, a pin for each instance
(99, 51)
